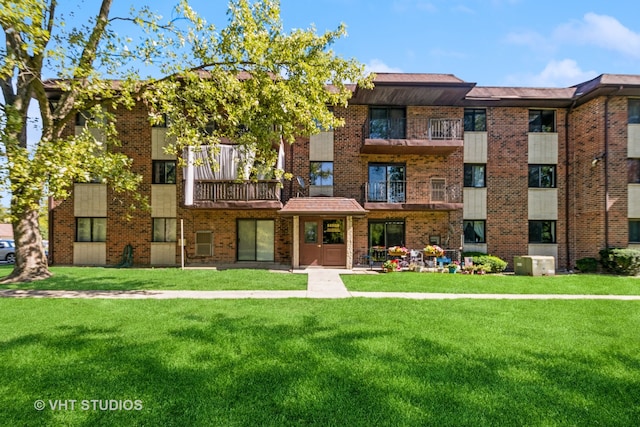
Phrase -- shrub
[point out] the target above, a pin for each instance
(491, 264)
(587, 265)
(621, 261)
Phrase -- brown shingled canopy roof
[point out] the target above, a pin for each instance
(322, 206)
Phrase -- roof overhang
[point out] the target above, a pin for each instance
(322, 206)
(413, 89)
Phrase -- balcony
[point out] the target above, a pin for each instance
(213, 194)
(405, 195)
(416, 135)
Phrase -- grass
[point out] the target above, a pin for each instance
(356, 362)
(591, 284)
(96, 278)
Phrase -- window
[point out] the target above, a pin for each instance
(542, 121)
(256, 240)
(542, 176)
(164, 172)
(164, 230)
(386, 183)
(204, 243)
(474, 175)
(633, 171)
(474, 231)
(91, 229)
(438, 190)
(475, 119)
(542, 232)
(386, 233)
(321, 173)
(387, 123)
(333, 231)
(634, 111)
(634, 231)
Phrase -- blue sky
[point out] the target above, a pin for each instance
(539, 43)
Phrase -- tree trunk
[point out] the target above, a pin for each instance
(31, 262)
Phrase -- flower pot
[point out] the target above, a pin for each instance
(453, 270)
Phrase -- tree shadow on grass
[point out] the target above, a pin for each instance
(203, 364)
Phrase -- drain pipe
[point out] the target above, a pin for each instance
(606, 171)
(567, 204)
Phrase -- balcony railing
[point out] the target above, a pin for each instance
(414, 128)
(434, 191)
(215, 191)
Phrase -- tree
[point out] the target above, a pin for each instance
(253, 80)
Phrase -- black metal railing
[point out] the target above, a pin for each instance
(414, 128)
(434, 191)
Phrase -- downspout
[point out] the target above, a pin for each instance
(567, 204)
(606, 171)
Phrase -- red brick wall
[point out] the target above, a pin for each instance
(507, 188)
(507, 182)
(588, 183)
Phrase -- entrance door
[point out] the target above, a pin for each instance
(322, 242)
(310, 242)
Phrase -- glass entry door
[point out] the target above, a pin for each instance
(387, 183)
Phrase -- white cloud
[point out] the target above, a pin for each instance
(464, 9)
(526, 38)
(426, 7)
(562, 73)
(377, 66)
(602, 31)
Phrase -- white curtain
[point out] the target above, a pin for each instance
(226, 163)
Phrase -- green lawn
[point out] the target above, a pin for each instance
(592, 284)
(352, 362)
(96, 278)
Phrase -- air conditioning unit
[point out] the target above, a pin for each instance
(534, 265)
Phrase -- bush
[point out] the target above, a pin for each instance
(587, 265)
(491, 264)
(621, 261)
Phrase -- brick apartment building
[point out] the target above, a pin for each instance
(422, 158)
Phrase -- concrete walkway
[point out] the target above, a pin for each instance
(322, 283)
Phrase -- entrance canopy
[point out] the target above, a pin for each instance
(319, 206)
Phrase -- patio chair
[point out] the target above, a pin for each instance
(416, 257)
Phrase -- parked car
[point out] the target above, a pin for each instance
(7, 251)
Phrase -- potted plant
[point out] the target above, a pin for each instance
(433, 250)
(453, 267)
(390, 265)
(398, 251)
